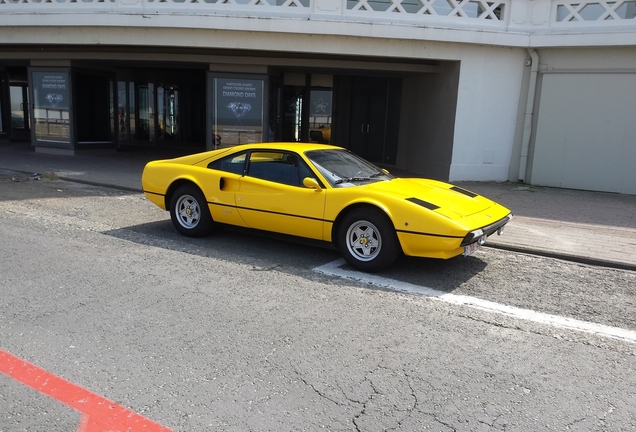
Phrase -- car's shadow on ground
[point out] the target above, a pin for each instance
(264, 252)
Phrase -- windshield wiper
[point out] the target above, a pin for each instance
(351, 179)
(358, 178)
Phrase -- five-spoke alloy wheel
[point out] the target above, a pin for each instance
(367, 240)
(189, 212)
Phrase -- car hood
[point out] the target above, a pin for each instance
(443, 198)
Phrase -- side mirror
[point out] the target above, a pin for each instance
(311, 183)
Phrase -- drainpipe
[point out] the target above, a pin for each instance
(527, 123)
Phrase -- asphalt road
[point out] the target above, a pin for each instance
(236, 332)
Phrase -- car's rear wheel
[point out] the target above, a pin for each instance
(189, 212)
(367, 241)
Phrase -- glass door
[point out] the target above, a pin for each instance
(320, 115)
(167, 112)
(144, 113)
(19, 97)
(135, 114)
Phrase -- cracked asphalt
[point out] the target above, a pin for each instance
(236, 332)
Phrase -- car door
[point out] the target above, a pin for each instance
(220, 186)
(272, 197)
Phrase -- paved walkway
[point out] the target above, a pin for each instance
(589, 227)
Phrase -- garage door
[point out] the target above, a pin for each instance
(586, 132)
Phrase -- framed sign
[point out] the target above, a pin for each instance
(51, 105)
(237, 110)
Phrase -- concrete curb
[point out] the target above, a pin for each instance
(594, 262)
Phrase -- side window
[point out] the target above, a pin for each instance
(273, 166)
(305, 171)
(234, 163)
(280, 167)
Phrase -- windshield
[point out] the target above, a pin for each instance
(344, 169)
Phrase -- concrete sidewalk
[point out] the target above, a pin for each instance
(594, 228)
(589, 227)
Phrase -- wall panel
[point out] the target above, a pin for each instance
(586, 132)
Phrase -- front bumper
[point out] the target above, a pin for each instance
(481, 234)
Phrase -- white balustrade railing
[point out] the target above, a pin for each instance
(225, 3)
(499, 15)
(609, 12)
(475, 9)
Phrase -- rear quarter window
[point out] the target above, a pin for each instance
(233, 163)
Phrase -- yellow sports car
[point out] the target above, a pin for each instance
(325, 193)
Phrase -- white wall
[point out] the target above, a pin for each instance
(487, 105)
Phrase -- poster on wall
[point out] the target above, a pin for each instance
(237, 111)
(51, 107)
(52, 90)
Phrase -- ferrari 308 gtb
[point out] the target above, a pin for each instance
(324, 193)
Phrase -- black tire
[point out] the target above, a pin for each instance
(189, 212)
(367, 240)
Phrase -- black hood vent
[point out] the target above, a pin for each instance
(422, 203)
(463, 191)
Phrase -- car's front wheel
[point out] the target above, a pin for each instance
(367, 240)
(189, 212)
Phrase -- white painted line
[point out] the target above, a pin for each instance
(334, 269)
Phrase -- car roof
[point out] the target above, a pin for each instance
(292, 146)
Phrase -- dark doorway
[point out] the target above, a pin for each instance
(93, 109)
(276, 109)
(368, 113)
(293, 125)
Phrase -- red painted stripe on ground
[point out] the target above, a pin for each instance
(99, 414)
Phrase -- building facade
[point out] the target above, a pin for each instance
(541, 91)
